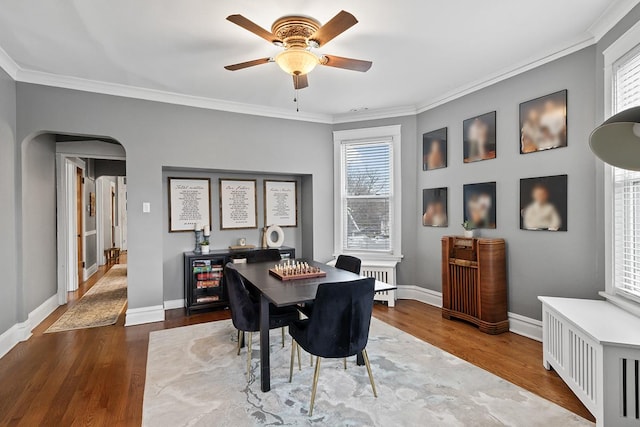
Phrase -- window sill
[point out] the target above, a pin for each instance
(372, 257)
(626, 304)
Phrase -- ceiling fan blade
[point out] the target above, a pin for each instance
(346, 63)
(248, 64)
(336, 26)
(253, 27)
(300, 82)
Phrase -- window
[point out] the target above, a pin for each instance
(367, 211)
(626, 185)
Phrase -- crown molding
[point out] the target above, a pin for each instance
(610, 17)
(380, 113)
(507, 73)
(8, 64)
(116, 89)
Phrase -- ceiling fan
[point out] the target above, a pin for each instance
(298, 35)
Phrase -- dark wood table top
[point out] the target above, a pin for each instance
(284, 293)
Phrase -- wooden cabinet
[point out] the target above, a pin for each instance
(474, 282)
(204, 287)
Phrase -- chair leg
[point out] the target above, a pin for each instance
(282, 329)
(365, 356)
(315, 385)
(311, 360)
(240, 339)
(293, 352)
(249, 355)
(299, 363)
(345, 363)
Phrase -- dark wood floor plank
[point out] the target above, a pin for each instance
(95, 377)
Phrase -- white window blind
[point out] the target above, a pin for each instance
(626, 184)
(367, 191)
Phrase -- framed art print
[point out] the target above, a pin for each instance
(480, 204)
(434, 207)
(280, 203)
(434, 150)
(479, 138)
(543, 123)
(238, 204)
(543, 203)
(189, 203)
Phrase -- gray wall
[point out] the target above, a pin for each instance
(156, 135)
(539, 263)
(110, 168)
(39, 269)
(175, 244)
(9, 295)
(407, 268)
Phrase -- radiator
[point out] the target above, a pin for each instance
(382, 271)
(603, 373)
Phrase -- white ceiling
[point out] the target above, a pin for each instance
(422, 51)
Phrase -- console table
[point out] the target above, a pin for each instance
(595, 348)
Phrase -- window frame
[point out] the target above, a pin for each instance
(376, 135)
(617, 51)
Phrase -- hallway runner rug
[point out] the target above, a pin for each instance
(194, 378)
(100, 306)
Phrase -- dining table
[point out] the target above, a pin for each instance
(284, 293)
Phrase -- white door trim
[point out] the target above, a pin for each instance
(66, 217)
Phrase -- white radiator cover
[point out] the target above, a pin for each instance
(382, 271)
(599, 360)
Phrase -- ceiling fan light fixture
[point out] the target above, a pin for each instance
(296, 61)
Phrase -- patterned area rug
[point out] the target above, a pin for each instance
(195, 378)
(100, 306)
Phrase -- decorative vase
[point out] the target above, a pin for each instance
(204, 249)
(469, 234)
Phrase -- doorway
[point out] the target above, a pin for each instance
(83, 231)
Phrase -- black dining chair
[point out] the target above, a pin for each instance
(245, 313)
(349, 263)
(338, 326)
(263, 255)
(344, 262)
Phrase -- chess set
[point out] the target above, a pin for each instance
(295, 270)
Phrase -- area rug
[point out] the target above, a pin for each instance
(195, 378)
(100, 306)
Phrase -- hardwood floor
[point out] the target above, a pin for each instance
(96, 376)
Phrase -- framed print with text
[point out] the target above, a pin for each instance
(238, 204)
(280, 203)
(189, 203)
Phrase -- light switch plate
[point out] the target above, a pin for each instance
(146, 207)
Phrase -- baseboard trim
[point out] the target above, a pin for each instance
(518, 324)
(88, 272)
(138, 316)
(12, 336)
(22, 331)
(418, 293)
(525, 326)
(173, 304)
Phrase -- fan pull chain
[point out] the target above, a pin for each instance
(295, 99)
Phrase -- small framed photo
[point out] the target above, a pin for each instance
(434, 207)
(543, 123)
(480, 204)
(238, 204)
(543, 203)
(479, 138)
(434, 150)
(189, 203)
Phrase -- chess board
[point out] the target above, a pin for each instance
(300, 276)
